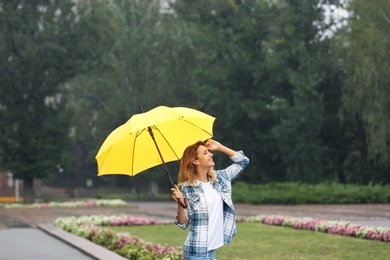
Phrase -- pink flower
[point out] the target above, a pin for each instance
(159, 250)
(374, 235)
(45, 205)
(125, 240)
(309, 224)
(273, 220)
(90, 203)
(351, 230)
(386, 236)
(131, 221)
(338, 230)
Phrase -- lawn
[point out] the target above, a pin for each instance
(259, 241)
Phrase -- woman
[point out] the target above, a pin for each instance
(208, 195)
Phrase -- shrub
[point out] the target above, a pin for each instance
(298, 193)
(92, 228)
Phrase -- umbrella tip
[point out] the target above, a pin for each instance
(140, 108)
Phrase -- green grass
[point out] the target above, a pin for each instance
(259, 241)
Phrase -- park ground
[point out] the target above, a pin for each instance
(363, 214)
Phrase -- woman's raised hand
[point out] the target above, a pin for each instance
(212, 145)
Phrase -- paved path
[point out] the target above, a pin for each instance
(22, 236)
(32, 243)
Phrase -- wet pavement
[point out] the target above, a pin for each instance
(31, 243)
(9, 222)
(30, 233)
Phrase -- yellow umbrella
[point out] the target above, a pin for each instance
(152, 138)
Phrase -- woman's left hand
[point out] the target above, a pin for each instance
(212, 145)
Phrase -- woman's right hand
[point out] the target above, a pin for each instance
(176, 194)
(181, 206)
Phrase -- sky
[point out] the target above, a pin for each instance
(336, 15)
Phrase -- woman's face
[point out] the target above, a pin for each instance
(205, 158)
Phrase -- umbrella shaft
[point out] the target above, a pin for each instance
(158, 150)
(162, 159)
(184, 205)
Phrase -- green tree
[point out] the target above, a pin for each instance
(229, 78)
(42, 46)
(309, 78)
(149, 63)
(364, 46)
(233, 60)
(264, 71)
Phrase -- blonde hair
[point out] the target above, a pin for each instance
(187, 172)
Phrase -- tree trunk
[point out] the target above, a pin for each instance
(29, 196)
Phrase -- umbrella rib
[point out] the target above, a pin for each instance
(104, 158)
(195, 126)
(138, 133)
(166, 141)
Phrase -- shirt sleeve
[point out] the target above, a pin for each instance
(187, 222)
(240, 162)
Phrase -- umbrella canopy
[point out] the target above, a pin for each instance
(152, 138)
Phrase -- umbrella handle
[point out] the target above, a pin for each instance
(184, 205)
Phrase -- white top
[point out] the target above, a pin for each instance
(215, 209)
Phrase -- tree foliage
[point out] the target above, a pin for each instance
(304, 107)
(39, 57)
(365, 46)
(148, 64)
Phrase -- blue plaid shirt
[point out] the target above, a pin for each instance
(197, 213)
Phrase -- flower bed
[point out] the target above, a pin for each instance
(344, 228)
(93, 229)
(69, 204)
